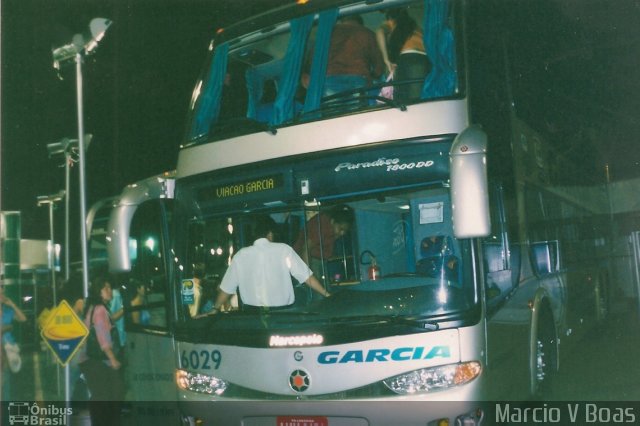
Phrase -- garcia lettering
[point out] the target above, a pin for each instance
(384, 355)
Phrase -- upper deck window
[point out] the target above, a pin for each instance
(325, 64)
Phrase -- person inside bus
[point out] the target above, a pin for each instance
(209, 292)
(402, 46)
(264, 110)
(140, 316)
(322, 232)
(354, 57)
(262, 272)
(198, 276)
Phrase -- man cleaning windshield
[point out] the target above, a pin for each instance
(263, 272)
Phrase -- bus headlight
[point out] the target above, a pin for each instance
(202, 383)
(434, 378)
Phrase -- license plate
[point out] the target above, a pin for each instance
(301, 421)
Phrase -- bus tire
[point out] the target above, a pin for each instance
(545, 356)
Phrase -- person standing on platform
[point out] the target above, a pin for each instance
(99, 357)
(10, 353)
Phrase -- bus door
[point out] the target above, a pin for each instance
(149, 339)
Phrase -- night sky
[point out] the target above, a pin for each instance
(138, 86)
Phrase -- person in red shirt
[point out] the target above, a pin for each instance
(322, 231)
(354, 57)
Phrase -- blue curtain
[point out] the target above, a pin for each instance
(320, 57)
(440, 47)
(255, 85)
(209, 106)
(288, 83)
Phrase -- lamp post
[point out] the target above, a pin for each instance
(80, 46)
(67, 148)
(51, 200)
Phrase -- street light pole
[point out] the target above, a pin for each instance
(67, 182)
(50, 200)
(83, 204)
(67, 148)
(81, 45)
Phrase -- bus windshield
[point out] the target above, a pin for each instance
(394, 258)
(310, 64)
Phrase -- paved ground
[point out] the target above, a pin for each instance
(606, 368)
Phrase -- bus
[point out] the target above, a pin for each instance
(471, 267)
(129, 238)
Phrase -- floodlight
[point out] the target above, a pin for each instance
(98, 27)
(67, 145)
(81, 43)
(50, 199)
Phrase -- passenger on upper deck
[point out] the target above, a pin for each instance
(354, 57)
(401, 42)
(264, 111)
(263, 272)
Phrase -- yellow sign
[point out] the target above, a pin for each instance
(244, 188)
(64, 332)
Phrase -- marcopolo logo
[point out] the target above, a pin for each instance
(30, 413)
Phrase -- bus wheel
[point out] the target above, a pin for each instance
(545, 360)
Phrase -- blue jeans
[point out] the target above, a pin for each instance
(339, 83)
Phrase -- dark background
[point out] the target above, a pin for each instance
(137, 88)
(138, 85)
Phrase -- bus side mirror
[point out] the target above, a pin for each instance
(469, 184)
(118, 244)
(545, 257)
(120, 250)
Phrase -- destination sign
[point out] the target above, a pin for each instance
(242, 188)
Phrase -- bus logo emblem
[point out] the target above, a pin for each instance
(299, 381)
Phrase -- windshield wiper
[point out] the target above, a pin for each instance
(242, 313)
(421, 322)
(414, 321)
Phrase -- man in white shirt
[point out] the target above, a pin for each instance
(263, 272)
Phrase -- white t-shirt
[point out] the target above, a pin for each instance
(263, 273)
